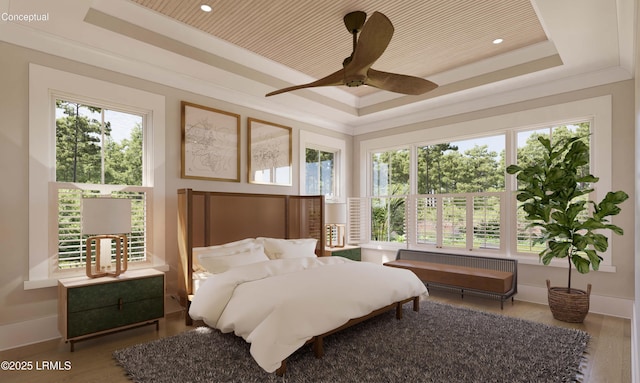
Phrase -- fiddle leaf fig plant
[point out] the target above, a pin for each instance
(554, 197)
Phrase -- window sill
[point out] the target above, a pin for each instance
(522, 259)
(559, 263)
(53, 282)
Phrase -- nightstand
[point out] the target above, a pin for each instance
(89, 307)
(348, 251)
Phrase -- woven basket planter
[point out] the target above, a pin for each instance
(568, 307)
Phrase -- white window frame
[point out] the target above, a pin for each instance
(45, 84)
(326, 144)
(597, 110)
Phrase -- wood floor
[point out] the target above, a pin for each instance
(609, 352)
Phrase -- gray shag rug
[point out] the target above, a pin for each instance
(441, 343)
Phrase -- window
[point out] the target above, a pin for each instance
(457, 205)
(95, 147)
(320, 170)
(390, 186)
(324, 166)
(457, 196)
(56, 183)
(461, 191)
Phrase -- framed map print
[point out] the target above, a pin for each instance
(210, 143)
(269, 153)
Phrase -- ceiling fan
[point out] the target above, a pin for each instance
(356, 69)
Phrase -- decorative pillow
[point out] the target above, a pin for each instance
(276, 248)
(217, 264)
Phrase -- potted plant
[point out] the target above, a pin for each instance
(554, 195)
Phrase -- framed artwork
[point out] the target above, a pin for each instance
(269, 148)
(210, 143)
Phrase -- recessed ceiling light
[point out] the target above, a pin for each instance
(205, 8)
(498, 41)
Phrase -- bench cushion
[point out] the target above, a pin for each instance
(459, 276)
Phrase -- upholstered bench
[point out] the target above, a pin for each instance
(495, 277)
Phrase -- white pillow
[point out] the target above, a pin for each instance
(225, 249)
(276, 248)
(217, 264)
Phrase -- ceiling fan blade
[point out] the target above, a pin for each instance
(399, 83)
(336, 78)
(374, 39)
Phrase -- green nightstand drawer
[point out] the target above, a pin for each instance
(113, 316)
(109, 294)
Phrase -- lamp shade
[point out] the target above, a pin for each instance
(104, 216)
(335, 213)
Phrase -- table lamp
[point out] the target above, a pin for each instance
(335, 219)
(106, 220)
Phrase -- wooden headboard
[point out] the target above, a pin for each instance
(211, 218)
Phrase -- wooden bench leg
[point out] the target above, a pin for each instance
(318, 347)
(282, 369)
(416, 304)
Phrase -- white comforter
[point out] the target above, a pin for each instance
(278, 305)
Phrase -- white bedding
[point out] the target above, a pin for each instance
(278, 305)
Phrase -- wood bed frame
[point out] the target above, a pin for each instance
(214, 218)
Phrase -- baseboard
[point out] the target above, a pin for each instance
(599, 304)
(28, 332)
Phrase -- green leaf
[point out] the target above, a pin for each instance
(546, 257)
(545, 142)
(615, 229)
(594, 258)
(588, 178)
(582, 265)
(600, 242)
(559, 249)
(513, 169)
(580, 242)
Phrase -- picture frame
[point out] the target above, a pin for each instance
(210, 143)
(270, 153)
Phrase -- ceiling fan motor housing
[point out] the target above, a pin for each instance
(354, 81)
(354, 21)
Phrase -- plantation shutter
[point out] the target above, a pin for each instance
(356, 220)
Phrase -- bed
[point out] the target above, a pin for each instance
(250, 264)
